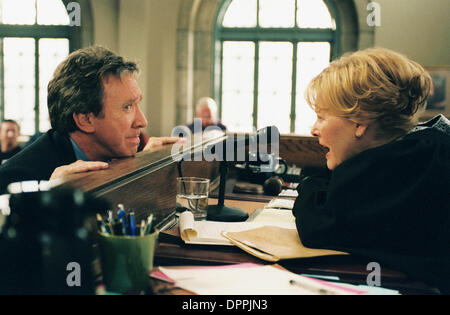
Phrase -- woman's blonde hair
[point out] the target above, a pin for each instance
(372, 85)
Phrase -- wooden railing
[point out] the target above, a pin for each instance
(147, 182)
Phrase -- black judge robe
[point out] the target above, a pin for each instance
(389, 204)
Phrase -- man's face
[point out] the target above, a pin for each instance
(118, 126)
(8, 134)
(206, 116)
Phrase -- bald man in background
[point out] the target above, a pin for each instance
(206, 115)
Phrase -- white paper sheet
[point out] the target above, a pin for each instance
(260, 280)
(209, 232)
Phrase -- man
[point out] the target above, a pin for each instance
(94, 107)
(9, 132)
(206, 112)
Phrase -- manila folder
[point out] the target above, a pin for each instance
(272, 243)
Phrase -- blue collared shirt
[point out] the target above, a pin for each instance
(79, 154)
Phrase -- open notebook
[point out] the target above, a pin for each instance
(270, 236)
(208, 232)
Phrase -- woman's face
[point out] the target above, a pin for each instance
(338, 135)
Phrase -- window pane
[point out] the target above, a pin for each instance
(52, 12)
(312, 58)
(240, 13)
(279, 13)
(274, 88)
(51, 52)
(237, 85)
(314, 14)
(19, 82)
(18, 12)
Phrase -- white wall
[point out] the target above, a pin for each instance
(105, 17)
(417, 28)
(144, 31)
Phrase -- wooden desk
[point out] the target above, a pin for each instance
(172, 251)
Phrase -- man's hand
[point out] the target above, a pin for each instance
(78, 167)
(156, 142)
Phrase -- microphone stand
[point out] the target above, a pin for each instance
(220, 212)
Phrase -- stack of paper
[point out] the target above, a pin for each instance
(251, 279)
(279, 203)
(288, 193)
(274, 217)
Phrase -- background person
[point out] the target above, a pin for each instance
(206, 112)
(9, 133)
(386, 194)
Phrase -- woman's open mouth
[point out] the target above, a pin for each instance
(327, 149)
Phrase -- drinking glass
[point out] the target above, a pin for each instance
(192, 194)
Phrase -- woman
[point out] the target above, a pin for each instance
(387, 195)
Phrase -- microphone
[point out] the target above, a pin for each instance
(273, 186)
(262, 138)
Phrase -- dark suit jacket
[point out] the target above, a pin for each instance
(38, 160)
(217, 124)
(4, 156)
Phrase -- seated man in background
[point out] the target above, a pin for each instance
(206, 115)
(93, 102)
(9, 132)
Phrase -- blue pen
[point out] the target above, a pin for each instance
(132, 220)
(123, 216)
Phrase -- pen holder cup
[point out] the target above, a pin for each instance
(126, 261)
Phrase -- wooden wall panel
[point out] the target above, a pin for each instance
(154, 193)
(302, 151)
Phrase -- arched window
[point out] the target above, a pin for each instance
(35, 35)
(266, 52)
